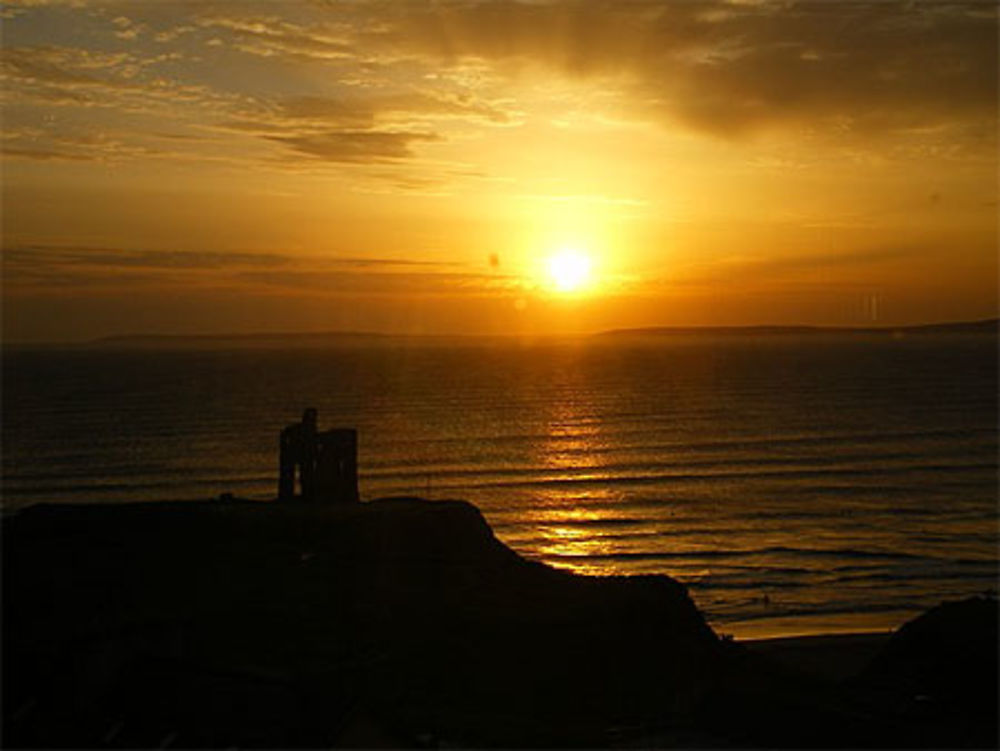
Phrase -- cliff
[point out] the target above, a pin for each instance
(398, 622)
(168, 618)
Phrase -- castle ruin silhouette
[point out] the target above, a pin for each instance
(327, 463)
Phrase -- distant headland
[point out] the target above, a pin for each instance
(987, 325)
(340, 338)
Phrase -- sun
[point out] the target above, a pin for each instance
(569, 270)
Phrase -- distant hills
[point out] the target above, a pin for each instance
(342, 338)
(959, 327)
(250, 340)
(329, 338)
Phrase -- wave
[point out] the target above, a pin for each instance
(647, 479)
(98, 487)
(825, 609)
(639, 469)
(918, 576)
(852, 553)
(518, 517)
(709, 583)
(615, 442)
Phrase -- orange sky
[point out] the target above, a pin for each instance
(197, 167)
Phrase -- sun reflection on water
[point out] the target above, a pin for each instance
(566, 516)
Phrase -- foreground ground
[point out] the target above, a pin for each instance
(406, 623)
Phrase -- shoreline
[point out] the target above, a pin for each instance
(847, 623)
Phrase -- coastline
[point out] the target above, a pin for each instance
(751, 630)
(805, 626)
(408, 622)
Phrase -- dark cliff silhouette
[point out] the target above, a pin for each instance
(403, 622)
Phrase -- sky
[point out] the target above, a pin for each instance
(414, 167)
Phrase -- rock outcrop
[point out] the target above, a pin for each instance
(939, 672)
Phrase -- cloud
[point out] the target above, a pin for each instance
(364, 111)
(350, 126)
(368, 83)
(339, 111)
(319, 116)
(410, 283)
(833, 70)
(127, 29)
(797, 269)
(355, 146)
(70, 103)
(69, 256)
(76, 75)
(38, 267)
(360, 129)
(46, 64)
(275, 37)
(102, 146)
(45, 155)
(727, 68)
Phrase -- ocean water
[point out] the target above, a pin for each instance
(795, 484)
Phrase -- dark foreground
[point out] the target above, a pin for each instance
(406, 623)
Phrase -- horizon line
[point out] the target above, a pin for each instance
(760, 328)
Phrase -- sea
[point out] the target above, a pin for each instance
(794, 483)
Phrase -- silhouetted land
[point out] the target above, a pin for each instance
(991, 325)
(403, 622)
(343, 338)
(319, 338)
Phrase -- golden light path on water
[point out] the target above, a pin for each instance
(569, 519)
(588, 529)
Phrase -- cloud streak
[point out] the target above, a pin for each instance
(355, 146)
(40, 267)
(273, 37)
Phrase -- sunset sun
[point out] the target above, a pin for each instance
(569, 270)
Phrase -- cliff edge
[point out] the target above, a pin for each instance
(204, 624)
(406, 623)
